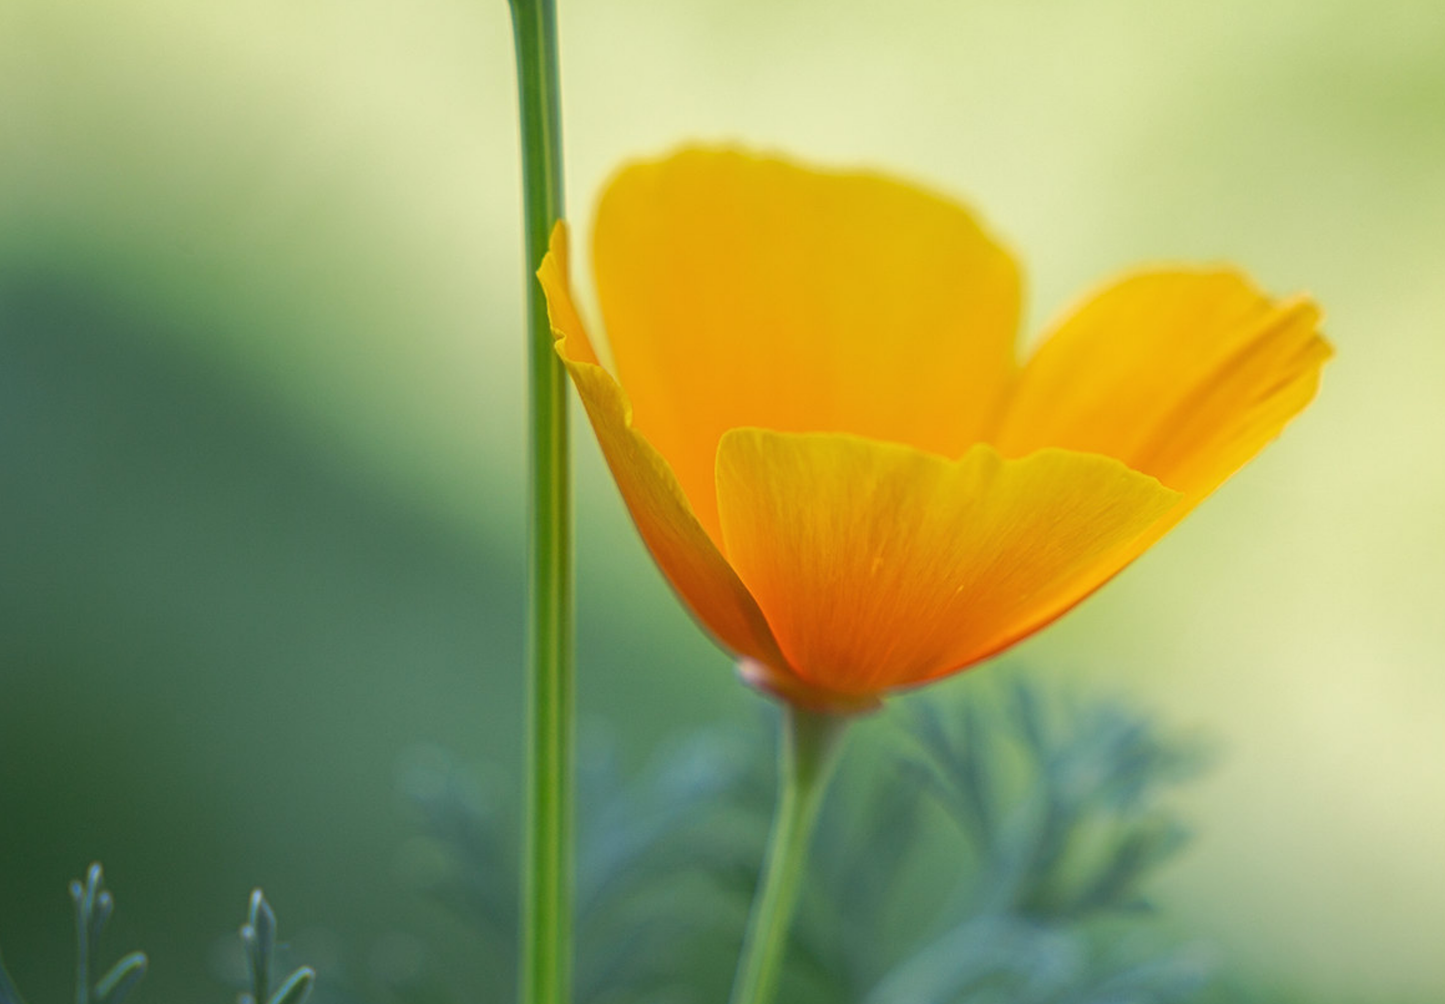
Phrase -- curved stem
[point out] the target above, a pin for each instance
(547, 866)
(805, 765)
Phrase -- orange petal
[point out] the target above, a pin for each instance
(679, 545)
(1182, 375)
(748, 291)
(880, 566)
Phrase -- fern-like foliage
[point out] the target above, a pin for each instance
(93, 907)
(1058, 808)
(258, 937)
(994, 847)
(988, 845)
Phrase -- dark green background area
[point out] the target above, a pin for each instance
(216, 640)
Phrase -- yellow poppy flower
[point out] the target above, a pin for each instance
(823, 434)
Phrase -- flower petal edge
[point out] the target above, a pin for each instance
(689, 560)
(881, 566)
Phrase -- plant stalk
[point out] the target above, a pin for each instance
(806, 759)
(547, 865)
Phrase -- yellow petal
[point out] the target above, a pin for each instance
(747, 291)
(679, 545)
(880, 566)
(1182, 375)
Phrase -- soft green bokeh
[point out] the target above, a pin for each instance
(260, 409)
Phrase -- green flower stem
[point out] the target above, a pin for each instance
(805, 764)
(547, 866)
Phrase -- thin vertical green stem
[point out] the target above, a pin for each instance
(547, 865)
(805, 765)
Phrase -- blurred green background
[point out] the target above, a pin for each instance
(261, 471)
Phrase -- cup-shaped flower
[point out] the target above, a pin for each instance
(823, 433)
